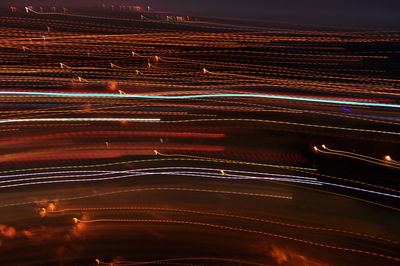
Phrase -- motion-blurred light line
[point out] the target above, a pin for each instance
(178, 97)
(80, 119)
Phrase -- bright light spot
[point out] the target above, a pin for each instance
(387, 158)
(51, 206)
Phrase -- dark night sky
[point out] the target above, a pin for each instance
(374, 14)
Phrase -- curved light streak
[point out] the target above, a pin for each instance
(106, 172)
(294, 179)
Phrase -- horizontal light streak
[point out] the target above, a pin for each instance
(170, 171)
(228, 95)
(80, 119)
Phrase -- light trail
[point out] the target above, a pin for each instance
(226, 215)
(267, 94)
(230, 228)
(281, 122)
(50, 180)
(297, 170)
(154, 160)
(102, 172)
(315, 100)
(386, 163)
(28, 120)
(135, 173)
(168, 261)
